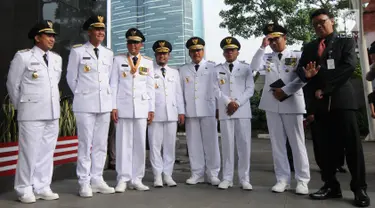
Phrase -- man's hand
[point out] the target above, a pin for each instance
(311, 70)
(232, 108)
(319, 94)
(265, 42)
(310, 118)
(279, 94)
(150, 117)
(181, 119)
(114, 115)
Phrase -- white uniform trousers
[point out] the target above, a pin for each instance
(37, 143)
(281, 127)
(92, 131)
(239, 131)
(203, 146)
(162, 135)
(131, 149)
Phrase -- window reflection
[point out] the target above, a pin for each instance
(68, 17)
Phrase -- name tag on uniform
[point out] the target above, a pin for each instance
(86, 58)
(222, 73)
(124, 65)
(330, 64)
(34, 63)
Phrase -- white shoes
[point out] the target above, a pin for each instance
(120, 187)
(27, 198)
(169, 181)
(158, 182)
(195, 180)
(280, 187)
(302, 188)
(215, 181)
(246, 186)
(47, 195)
(102, 188)
(139, 186)
(85, 191)
(225, 184)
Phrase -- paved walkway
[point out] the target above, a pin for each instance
(204, 195)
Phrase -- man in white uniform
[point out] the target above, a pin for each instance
(283, 101)
(33, 89)
(89, 69)
(169, 109)
(133, 99)
(200, 108)
(235, 84)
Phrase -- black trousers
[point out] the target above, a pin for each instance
(339, 129)
(317, 143)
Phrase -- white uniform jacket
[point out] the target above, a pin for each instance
(237, 85)
(169, 101)
(133, 94)
(283, 69)
(88, 78)
(198, 89)
(33, 87)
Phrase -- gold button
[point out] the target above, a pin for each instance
(231, 82)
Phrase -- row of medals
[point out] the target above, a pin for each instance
(292, 61)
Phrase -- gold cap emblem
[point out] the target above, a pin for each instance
(101, 19)
(162, 44)
(195, 41)
(270, 28)
(50, 24)
(134, 32)
(228, 40)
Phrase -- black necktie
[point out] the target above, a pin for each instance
(230, 67)
(96, 52)
(196, 67)
(135, 59)
(280, 55)
(45, 58)
(163, 71)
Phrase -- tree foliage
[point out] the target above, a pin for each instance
(246, 18)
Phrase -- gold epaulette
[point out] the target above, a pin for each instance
(77, 45)
(218, 65)
(146, 57)
(244, 62)
(23, 50)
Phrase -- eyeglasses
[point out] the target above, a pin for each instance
(319, 22)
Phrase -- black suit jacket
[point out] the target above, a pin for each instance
(335, 83)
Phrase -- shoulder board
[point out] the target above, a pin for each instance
(107, 48)
(211, 62)
(244, 62)
(218, 65)
(121, 54)
(146, 57)
(24, 50)
(55, 53)
(77, 45)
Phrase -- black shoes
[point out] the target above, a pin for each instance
(361, 198)
(327, 192)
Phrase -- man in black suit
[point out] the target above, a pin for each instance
(328, 63)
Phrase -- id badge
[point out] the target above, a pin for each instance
(330, 64)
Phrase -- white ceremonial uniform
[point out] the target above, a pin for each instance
(169, 104)
(201, 125)
(133, 97)
(284, 119)
(88, 78)
(237, 86)
(33, 89)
